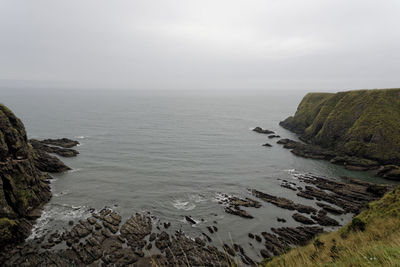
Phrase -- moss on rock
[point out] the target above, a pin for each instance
(363, 123)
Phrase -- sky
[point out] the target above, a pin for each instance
(200, 45)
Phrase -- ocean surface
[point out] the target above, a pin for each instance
(171, 154)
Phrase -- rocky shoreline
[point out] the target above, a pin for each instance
(105, 239)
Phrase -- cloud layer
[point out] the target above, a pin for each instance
(195, 45)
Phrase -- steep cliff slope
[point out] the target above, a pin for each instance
(23, 187)
(364, 123)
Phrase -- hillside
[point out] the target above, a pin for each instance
(371, 239)
(363, 124)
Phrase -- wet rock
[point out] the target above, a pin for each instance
(64, 152)
(207, 237)
(265, 254)
(273, 136)
(330, 209)
(262, 131)
(325, 220)
(190, 220)
(136, 229)
(61, 142)
(283, 202)
(267, 145)
(229, 250)
(210, 229)
(390, 172)
(258, 238)
(167, 225)
(281, 220)
(47, 163)
(238, 211)
(301, 218)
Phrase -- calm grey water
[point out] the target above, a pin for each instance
(168, 153)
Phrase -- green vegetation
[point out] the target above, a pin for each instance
(371, 239)
(362, 123)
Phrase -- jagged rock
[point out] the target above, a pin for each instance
(273, 136)
(329, 208)
(190, 220)
(283, 202)
(262, 131)
(301, 218)
(48, 163)
(324, 220)
(239, 212)
(64, 152)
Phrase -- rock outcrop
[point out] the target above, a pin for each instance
(354, 128)
(24, 186)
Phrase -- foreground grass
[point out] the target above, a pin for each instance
(371, 239)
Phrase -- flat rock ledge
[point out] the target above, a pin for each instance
(391, 172)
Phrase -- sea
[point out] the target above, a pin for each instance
(170, 154)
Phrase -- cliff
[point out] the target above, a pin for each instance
(363, 124)
(23, 188)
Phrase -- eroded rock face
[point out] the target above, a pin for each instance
(23, 188)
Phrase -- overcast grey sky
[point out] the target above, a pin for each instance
(192, 45)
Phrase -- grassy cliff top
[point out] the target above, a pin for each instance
(371, 239)
(362, 123)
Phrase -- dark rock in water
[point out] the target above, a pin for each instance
(190, 220)
(263, 131)
(281, 220)
(210, 229)
(267, 145)
(306, 150)
(325, 220)
(167, 225)
(352, 196)
(47, 163)
(207, 237)
(283, 202)
(274, 136)
(390, 172)
(251, 235)
(258, 238)
(64, 152)
(239, 212)
(265, 254)
(301, 218)
(234, 204)
(330, 209)
(62, 142)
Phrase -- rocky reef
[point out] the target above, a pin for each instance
(24, 186)
(356, 128)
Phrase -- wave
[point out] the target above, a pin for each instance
(57, 212)
(183, 205)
